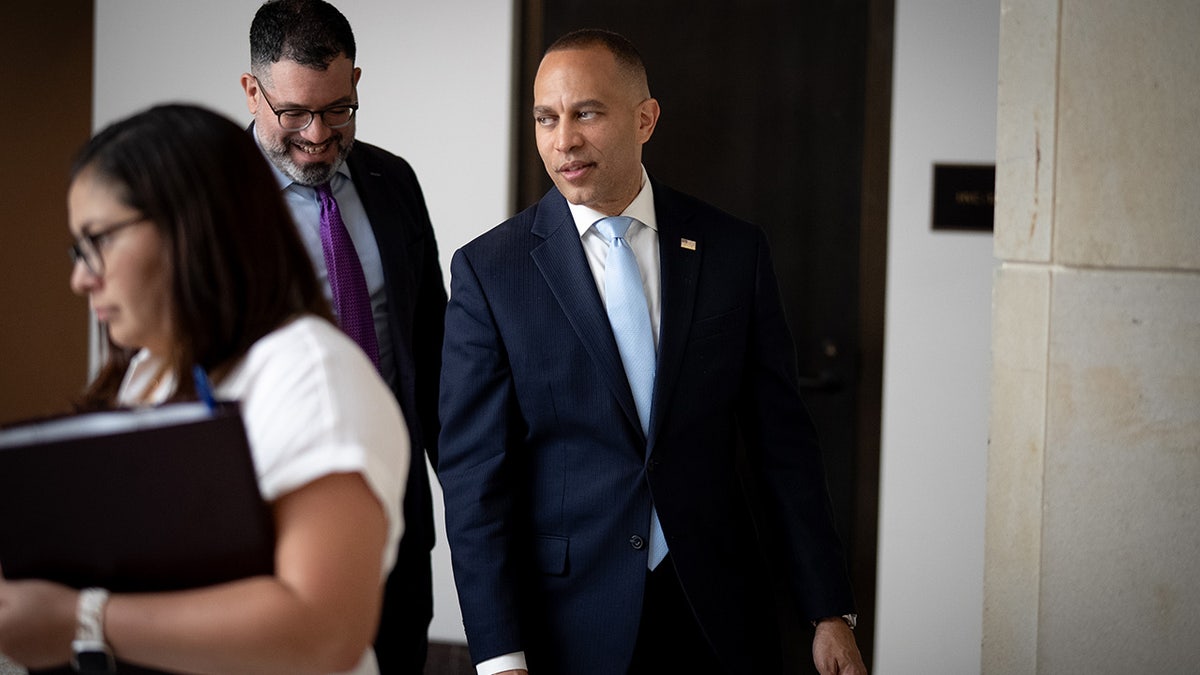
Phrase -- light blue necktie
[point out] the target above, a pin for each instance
(630, 319)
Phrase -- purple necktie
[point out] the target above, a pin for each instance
(351, 302)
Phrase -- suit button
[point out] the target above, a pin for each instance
(653, 464)
(637, 542)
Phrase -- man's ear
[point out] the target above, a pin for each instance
(647, 119)
(250, 86)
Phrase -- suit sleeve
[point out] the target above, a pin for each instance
(785, 457)
(477, 408)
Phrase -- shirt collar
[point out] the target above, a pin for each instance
(641, 208)
(140, 377)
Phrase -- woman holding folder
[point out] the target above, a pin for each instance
(189, 258)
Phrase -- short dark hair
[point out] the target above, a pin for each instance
(238, 269)
(629, 59)
(310, 32)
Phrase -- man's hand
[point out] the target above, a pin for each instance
(834, 649)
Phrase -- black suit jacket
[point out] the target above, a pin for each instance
(548, 478)
(416, 297)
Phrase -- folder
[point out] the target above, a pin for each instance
(152, 499)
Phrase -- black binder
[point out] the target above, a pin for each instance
(155, 499)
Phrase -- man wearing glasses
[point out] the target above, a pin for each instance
(383, 279)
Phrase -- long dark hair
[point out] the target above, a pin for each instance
(238, 267)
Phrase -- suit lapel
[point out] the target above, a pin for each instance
(681, 249)
(368, 181)
(561, 260)
(385, 217)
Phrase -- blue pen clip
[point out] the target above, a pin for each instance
(204, 388)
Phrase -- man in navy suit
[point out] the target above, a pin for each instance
(302, 89)
(551, 475)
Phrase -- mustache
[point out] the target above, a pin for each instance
(335, 139)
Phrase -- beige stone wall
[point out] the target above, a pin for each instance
(1092, 561)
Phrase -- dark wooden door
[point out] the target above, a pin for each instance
(44, 343)
(777, 112)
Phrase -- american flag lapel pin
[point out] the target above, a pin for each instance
(688, 244)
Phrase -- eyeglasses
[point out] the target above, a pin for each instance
(299, 119)
(89, 245)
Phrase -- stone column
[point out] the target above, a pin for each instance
(1092, 560)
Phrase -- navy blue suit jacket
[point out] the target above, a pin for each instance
(548, 478)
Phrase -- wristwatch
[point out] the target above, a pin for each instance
(850, 619)
(91, 655)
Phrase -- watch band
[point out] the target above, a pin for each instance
(91, 653)
(850, 619)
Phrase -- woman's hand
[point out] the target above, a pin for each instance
(37, 622)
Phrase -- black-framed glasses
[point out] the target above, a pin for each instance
(89, 245)
(298, 119)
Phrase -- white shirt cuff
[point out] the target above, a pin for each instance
(514, 661)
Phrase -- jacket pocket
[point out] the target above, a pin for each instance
(715, 325)
(550, 554)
